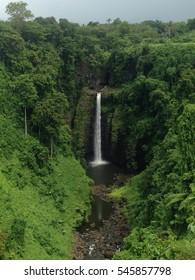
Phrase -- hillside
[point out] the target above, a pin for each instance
(50, 72)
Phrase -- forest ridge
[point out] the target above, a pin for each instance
(47, 70)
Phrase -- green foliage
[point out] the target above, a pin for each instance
(34, 156)
(191, 23)
(2, 245)
(11, 46)
(82, 123)
(9, 137)
(5, 98)
(17, 232)
(163, 197)
(147, 244)
(41, 202)
(18, 13)
(49, 113)
(45, 67)
(186, 137)
(153, 116)
(64, 141)
(142, 244)
(25, 91)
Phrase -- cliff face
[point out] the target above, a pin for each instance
(113, 143)
(83, 124)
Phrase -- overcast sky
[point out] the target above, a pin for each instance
(84, 11)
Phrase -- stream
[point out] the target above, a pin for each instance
(102, 235)
(102, 175)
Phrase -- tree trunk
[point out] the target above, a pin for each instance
(25, 123)
(51, 148)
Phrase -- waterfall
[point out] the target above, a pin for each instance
(97, 132)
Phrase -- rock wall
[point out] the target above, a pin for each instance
(83, 124)
(113, 144)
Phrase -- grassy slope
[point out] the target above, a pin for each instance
(38, 210)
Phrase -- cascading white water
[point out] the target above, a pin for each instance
(97, 135)
(97, 132)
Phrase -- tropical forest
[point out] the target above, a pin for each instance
(51, 75)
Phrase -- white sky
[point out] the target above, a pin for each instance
(84, 11)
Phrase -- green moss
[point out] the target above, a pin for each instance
(118, 193)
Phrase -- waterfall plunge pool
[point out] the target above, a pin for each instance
(103, 173)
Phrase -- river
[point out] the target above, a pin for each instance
(102, 226)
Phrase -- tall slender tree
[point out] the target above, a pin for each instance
(18, 14)
(26, 95)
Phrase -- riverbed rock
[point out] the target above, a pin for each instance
(120, 179)
(80, 248)
(101, 191)
(104, 242)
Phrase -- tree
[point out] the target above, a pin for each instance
(186, 137)
(186, 83)
(34, 32)
(191, 24)
(18, 14)
(49, 116)
(53, 31)
(169, 29)
(109, 20)
(93, 23)
(11, 46)
(117, 21)
(26, 94)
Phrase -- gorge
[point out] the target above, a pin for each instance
(50, 73)
(102, 235)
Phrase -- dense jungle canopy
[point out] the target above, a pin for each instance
(49, 71)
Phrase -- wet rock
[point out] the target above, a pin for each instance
(80, 248)
(101, 191)
(120, 179)
(106, 241)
